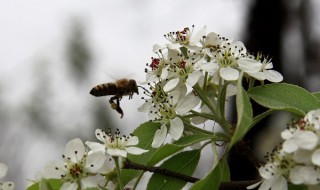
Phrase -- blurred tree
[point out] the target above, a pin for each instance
(78, 52)
(264, 34)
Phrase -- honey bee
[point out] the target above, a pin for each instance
(120, 88)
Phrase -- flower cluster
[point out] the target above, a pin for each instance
(8, 185)
(84, 167)
(298, 160)
(202, 62)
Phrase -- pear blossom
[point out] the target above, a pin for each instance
(232, 58)
(266, 72)
(166, 107)
(7, 185)
(299, 139)
(308, 175)
(185, 38)
(275, 172)
(78, 169)
(169, 118)
(115, 145)
(313, 117)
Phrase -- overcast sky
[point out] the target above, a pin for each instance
(121, 33)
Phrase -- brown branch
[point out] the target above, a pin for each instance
(234, 185)
(130, 165)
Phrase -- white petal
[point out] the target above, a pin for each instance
(196, 37)
(266, 184)
(212, 39)
(157, 47)
(95, 161)
(193, 78)
(249, 65)
(176, 128)
(287, 134)
(187, 103)
(316, 157)
(133, 140)
(117, 152)
(254, 185)
(54, 170)
(99, 134)
(306, 139)
(313, 118)
(229, 74)
(74, 150)
(164, 73)
(265, 171)
(151, 77)
(173, 56)
(236, 46)
(69, 186)
(88, 182)
(209, 67)
(268, 65)
(273, 76)
(145, 107)
(96, 147)
(289, 146)
(280, 183)
(159, 136)
(135, 150)
(171, 84)
(258, 75)
(174, 46)
(3, 170)
(302, 156)
(8, 185)
(295, 175)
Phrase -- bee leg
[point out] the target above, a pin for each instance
(116, 106)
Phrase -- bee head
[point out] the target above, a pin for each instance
(134, 86)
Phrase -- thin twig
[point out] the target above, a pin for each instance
(234, 185)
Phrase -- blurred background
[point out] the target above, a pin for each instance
(53, 52)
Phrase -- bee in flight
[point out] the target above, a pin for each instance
(122, 87)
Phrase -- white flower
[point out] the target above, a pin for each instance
(185, 38)
(76, 166)
(115, 145)
(275, 172)
(296, 139)
(272, 178)
(8, 185)
(266, 73)
(231, 58)
(168, 117)
(308, 175)
(313, 118)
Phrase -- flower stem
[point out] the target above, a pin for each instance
(194, 128)
(116, 161)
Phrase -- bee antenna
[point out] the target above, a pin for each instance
(143, 88)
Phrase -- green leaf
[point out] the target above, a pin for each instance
(297, 187)
(211, 181)
(282, 96)
(46, 184)
(317, 95)
(169, 149)
(224, 170)
(145, 132)
(244, 113)
(184, 163)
